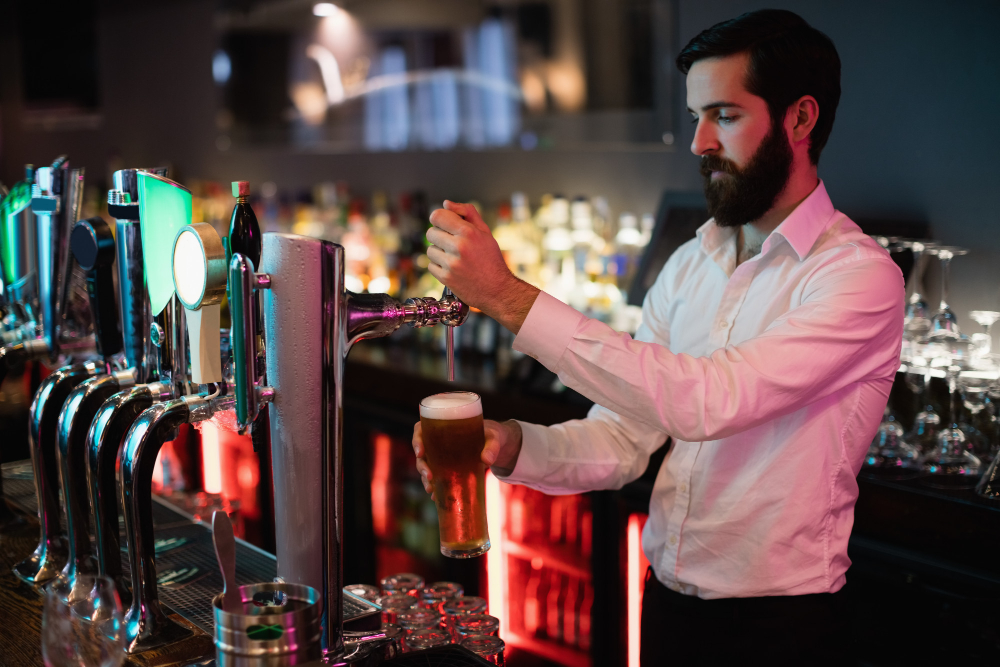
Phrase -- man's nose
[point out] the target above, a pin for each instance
(705, 141)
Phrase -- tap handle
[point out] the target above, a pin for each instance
(199, 272)
(242, 283)
(93, 246)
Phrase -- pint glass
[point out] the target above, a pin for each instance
(452, 425)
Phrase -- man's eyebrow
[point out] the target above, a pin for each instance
(718, 105)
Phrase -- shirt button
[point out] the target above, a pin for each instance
(684, 488)
(673, 540)
(723, 324)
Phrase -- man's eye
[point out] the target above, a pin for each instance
(694, 120)
(726, 120)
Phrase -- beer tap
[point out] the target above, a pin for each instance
(126, 393)
(145, 204)
(55, 199)
(93, 247)
(18, 259)
(199, 276)
(308, 334)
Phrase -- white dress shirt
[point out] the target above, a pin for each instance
(770, 376)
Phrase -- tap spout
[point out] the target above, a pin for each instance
(50, 554)
(75, 419)
(146, 625)
(372, 316)
(12, 355)
(104, 440)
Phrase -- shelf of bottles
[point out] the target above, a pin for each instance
(542, 552)
(578, 249)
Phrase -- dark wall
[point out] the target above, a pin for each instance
(914, 137)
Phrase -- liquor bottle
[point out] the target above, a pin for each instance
(573, 520)
(587, 534)
(586, 605)
(553, 606)
(244, 232)
(557, 518)
(570, 612)
(533, 598)
(516, 523)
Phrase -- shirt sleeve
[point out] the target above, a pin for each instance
(606, 450)
(847, 328)
(603, 451)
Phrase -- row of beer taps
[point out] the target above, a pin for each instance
(129, 315)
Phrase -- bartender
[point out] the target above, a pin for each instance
(768, 346)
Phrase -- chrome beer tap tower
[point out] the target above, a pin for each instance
(63, 331)
(307, 335)
(98, 423)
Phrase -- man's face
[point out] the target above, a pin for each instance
(745, 158)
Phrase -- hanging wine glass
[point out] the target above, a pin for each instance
(950, 464)
(989, 483)
(917, 321)
(889, 455)
(976, 422)
(944, 324)
(927, 422)
(983, 342)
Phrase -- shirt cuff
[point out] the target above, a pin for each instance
(533, 458)
(547, 330)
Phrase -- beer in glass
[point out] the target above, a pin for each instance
(452, 425)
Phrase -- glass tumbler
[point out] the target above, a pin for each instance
(86, 632)
(486, 647)
(404, 582)
(395, 604)
(475, 624)
(423, 639)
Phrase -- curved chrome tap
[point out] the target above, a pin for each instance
(50, 554)
(146, 625)
(104, 439)
(75, 420)
(93, 248)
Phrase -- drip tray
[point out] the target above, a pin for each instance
(187, 570)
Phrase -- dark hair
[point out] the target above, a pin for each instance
(788, 59)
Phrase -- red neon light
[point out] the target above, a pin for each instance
(496, 560)
(380, 484)
(637, 565)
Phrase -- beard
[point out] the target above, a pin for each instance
(744, 195)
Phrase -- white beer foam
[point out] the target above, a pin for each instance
(451, 405)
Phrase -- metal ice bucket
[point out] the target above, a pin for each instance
(282, 626)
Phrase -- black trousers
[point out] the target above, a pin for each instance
(783, 630)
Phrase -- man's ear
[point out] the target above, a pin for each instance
(801, 118)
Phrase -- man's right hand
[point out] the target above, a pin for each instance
(503, 445)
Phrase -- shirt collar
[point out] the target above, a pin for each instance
(800, 229)
(804, 225)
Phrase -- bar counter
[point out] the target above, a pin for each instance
(920, 555)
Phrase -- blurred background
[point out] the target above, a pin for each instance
(565, 122)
